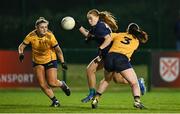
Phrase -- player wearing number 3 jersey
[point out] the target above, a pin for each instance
(118, 60)
(124, 43)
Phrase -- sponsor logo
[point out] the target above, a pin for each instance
(16, 78)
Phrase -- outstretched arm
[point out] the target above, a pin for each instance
(83, 31)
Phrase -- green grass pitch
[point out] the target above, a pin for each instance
(31, 101)
(117, 99)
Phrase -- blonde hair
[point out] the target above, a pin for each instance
(106, 17)
(41, 20)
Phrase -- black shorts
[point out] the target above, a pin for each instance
(116, 62)
(51, 64)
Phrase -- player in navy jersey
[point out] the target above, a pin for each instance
(103, 24)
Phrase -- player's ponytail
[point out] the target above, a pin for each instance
(107, 17)
(134, 29)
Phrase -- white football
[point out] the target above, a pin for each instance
(68, 23)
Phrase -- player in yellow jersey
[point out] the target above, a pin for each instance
(45, 48)
(118, 60)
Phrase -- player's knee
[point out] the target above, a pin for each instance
(90, 71)
(108, 80)
(52, 84)
(134, 84)
(120, 80)
(43, 86)
(115, 80)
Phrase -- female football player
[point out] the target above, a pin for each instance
(44, 50)
(103, 23)
(118, 60)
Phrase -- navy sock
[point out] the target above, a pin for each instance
(92, 91)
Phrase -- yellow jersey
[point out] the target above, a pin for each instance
(124, 43)
(42, 47)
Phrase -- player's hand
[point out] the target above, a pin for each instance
(21, 57)
(77, 24)
(64, 66)
(100, 52)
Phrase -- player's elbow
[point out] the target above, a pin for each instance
(20, 48)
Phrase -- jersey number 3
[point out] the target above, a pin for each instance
(126, 40)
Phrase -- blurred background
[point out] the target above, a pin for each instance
(157, 17)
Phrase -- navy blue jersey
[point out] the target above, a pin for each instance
(99, 31)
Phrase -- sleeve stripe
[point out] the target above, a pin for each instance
(55, 45)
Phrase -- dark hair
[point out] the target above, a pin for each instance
(134, 29)
(41, 20)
